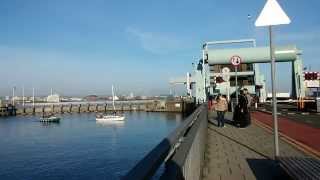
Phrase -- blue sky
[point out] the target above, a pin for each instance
(81, 47)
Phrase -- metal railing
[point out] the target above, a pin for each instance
(182, 151)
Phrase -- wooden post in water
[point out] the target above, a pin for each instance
(79, 108)
(61, 109)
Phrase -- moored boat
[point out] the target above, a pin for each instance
(111, 117)
(50, 119)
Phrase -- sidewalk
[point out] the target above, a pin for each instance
(234, 153)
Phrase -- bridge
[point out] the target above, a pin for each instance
(203, 80)
(198, 149)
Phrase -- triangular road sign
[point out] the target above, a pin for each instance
(272, 14)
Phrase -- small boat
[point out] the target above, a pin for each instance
(50, 118)
(111, 117)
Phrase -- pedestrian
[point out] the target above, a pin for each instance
(243, 111)
(210, 103)
(249, 100)
(221, 107)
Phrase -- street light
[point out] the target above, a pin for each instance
(272, 15)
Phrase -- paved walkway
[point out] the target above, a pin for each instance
(234, 153)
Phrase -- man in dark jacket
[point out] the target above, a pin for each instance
(243, 114)
(249, 100)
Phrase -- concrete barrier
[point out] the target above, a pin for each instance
(155, 106)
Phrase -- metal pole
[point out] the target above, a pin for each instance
(23, 96)
(33, 97)
(13, 89)
(204, 77)
(274, 97)
(236, 71)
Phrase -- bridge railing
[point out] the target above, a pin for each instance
(182, 151)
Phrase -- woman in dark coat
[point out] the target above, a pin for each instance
(241, 115)
(244, 116)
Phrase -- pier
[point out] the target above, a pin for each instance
(178, 105)
(198, 149)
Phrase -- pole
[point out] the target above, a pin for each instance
(13, 89)
(33, 97)
(23, 96)
(114, 108)
(274, 98)
(236, 71)
(204, 78)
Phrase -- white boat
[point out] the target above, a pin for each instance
(50, 119)
(111, 117)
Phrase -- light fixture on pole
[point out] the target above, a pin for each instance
(272, 15)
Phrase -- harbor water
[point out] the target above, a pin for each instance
(78, 147)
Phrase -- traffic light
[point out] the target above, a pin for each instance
(311, 75)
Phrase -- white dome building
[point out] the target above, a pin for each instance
(54, 98)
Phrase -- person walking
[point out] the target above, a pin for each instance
(249, 103)
(221, 107)
(210, 103)
(243, 110)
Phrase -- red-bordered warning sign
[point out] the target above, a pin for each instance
(235, 60)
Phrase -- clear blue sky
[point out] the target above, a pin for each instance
(81, 47)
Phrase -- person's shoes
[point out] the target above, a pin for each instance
(223, 126)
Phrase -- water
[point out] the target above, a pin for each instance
(78, 147)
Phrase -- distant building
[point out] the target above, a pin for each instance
(91, 98)
(54, 98)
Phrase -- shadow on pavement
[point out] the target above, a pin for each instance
(267, 169)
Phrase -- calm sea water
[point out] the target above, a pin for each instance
(78, 147)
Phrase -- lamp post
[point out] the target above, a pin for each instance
(272, 15)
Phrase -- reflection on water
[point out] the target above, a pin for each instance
(50, 124)
(111, 123)
(79, 147)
